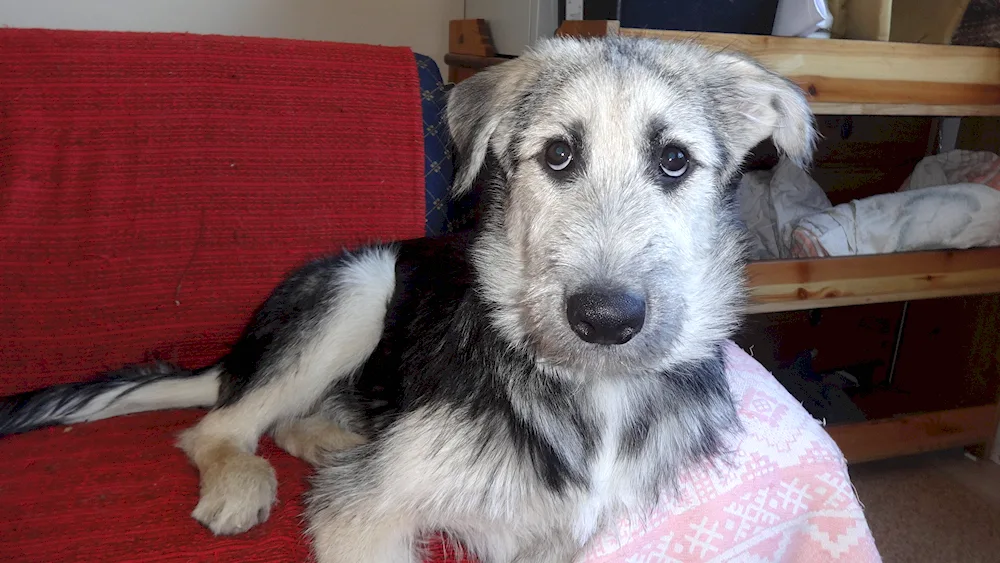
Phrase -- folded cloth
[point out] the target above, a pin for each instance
(955, 167)
(771, 203)
(951, 200)
(957, 216)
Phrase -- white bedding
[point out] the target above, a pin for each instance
(951, 200)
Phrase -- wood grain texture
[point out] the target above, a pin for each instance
(470, 49)
(841, 108)
(911, 434)
(788, 285)
(588, 28)
(903, 91)
(457, 74)
(851, 59)
(845, 77)
(848, 76)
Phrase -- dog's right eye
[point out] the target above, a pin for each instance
(558, 155)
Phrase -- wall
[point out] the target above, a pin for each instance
(420, 24)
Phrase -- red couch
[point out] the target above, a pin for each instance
(153, 188)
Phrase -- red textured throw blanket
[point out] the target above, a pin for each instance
(153, 189)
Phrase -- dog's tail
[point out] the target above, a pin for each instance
(150, 387)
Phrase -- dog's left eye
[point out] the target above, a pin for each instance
(673, 161)
(558, 155)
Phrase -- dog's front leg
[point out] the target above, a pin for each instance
(493, 542)
(354, 519)
(365, 539)
(375, 502)
(319, 327)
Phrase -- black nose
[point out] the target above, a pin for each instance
(605, 317)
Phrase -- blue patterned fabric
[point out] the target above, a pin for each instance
(438, 171)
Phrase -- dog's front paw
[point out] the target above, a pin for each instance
(236, 495)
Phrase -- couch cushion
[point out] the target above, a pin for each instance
(118, 491)
(154, 187)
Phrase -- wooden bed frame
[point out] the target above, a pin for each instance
(850, 77)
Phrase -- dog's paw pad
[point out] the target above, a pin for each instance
(236, 495)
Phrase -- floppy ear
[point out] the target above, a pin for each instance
(758, 103)
(476, 108)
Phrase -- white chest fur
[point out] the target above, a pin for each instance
(613, 481)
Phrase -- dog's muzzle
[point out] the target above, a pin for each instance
(606, 317)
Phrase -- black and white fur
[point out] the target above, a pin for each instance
(444, 384)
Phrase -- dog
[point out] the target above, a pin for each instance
(521, 385)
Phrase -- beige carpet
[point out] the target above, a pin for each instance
(935, 508)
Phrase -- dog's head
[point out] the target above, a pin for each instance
(608, 240)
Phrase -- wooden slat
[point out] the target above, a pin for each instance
(821, 108)
(588, 28)
(911, 434)
(457, 74)
(903, 91)
(473, 62)
(852, 59)
(470, 37)
(788, 285)
(840, 77)
(861, 74)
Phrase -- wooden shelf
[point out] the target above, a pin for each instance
(844, 76)
(789, 285)
(916, 433)
(840, 76)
